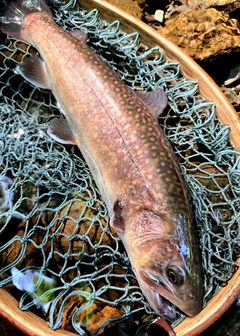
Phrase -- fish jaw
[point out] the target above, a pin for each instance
(155, 290)
(163, 270)
(160, 305)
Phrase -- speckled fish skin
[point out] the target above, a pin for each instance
(130, 159)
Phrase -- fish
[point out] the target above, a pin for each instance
(132, 162)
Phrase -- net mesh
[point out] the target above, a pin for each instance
(52, 217)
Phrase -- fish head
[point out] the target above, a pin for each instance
(167, 266)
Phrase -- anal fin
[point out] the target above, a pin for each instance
(33, 69)
(60, 131)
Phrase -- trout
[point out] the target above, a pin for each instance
(119, 136)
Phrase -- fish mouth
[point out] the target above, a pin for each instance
(159, 303)
(163, 298)
(163, 307)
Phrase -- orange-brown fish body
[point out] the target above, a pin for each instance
(132, 162)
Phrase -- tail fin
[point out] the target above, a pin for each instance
(12, 14)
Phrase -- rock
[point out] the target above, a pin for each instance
(132, 7)
(91, 318)
(226, 5)
(23, 252)
(159, 15)
(98, 317)
(174, 10)
(233, 96)
(81, 223)
(204, 34)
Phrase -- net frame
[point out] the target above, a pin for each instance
(190, 124)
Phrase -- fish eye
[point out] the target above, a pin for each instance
(175, 275)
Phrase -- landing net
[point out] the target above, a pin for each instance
(52, 218)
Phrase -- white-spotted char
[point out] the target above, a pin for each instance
(119, 136)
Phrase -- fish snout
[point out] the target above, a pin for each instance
(194, 304)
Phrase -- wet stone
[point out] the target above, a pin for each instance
(204, 34)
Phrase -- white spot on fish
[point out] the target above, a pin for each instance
(124, 171)
(126, 126)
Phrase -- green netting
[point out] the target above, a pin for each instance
(52, 218)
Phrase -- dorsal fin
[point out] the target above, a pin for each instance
(155, 100)
(79, 35)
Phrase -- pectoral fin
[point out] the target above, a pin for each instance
(60, 131)
(155, 100)
(33, 69)
(116, 221)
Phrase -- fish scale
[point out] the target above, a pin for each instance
(130, 158)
